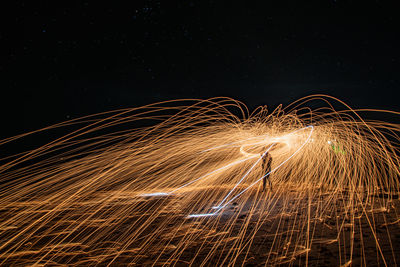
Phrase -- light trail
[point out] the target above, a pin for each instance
(229, 165)
(181, 188)
(247, 173)
(219, 207)
(231, 144)
(200, 178)
(273, 170)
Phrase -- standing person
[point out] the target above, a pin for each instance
(266, 166)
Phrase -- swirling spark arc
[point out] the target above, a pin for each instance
(179, 182)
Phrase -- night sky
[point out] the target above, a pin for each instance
(66, 61)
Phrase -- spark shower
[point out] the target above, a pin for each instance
(178, 182)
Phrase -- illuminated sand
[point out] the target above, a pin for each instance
(188, 190)
(265, 228)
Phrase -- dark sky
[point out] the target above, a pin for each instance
(66, 61)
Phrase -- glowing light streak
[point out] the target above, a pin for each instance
(202, 177)
(75, 207)
(249, 155)
(154, 194)
(312, 129)
(244, 176)
(219, 207)
(201, 215)
(230, 144)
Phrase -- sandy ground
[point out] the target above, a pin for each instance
(242, 236)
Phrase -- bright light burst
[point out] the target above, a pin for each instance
(186, 189)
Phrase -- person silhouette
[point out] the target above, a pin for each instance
(266, 166)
